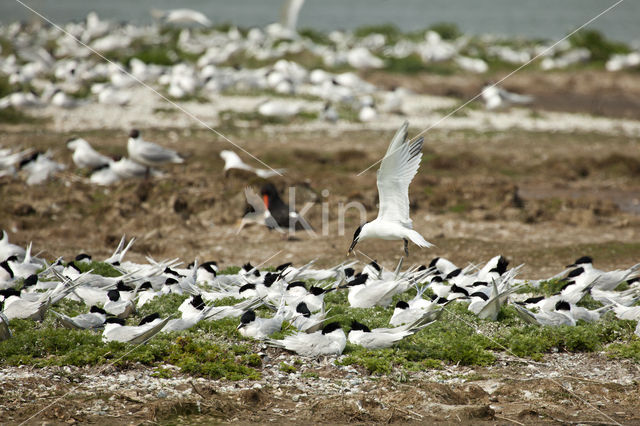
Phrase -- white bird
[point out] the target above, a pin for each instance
(181, 16)
(260, 328)
(367, 113)
(115, 330)
(379, 338)
(104, 176)
(361, 58)
(585, 273)
(625, 312)
(443, 266)
(290, 12)
(305, 321)
(27, 267)
(40, 167)
(118, 307)
(20, 308)
(84, 156)
(561, 316)
(149, 153)
(331, 340)
(495, 97)
(367, 295)
(413, 310)
(61, 99)
(233, 161)
(94, 319)
(278, 108)
(126, 168)
(120, 251)
(398, 167)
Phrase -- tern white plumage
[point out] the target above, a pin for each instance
(233, 161)
(85, 156)
(331, 340)
(397, 169)
(148, 153)
(181, 16)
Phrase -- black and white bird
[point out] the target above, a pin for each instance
(116, 330)
(257, 212)
(16, 307)
(94, 319)
(331, 340)
(305, 321)
(148, 153)
(260, 328)
(586, 273)
(285, 216)
(8, 249)
(379, 338)
(413, 310)
(397, 169)
(560, 316)
(118, 307)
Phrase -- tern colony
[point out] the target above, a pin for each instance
(37, 167)
(48, 68)
(30, 288)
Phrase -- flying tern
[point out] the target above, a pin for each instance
(397, 169)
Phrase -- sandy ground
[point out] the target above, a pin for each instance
(541, 194)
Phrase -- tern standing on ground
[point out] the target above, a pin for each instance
(148, 153)
(397, 169)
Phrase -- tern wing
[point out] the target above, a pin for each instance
(290, 12)
(515, 98)
(399, 165)
(156, 153)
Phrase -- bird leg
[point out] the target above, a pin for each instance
(406, 246)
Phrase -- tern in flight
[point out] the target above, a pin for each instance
(397, 169)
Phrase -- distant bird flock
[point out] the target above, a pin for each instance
(183, 57)
(37, 167)
(30, 288)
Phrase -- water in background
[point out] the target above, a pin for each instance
(545, 19)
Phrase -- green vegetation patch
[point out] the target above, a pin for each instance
(194, 351)
(98, 268)
(215, 349)
(600, 47)
(11, 115)
(630, 350)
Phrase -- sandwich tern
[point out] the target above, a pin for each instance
(398, 167)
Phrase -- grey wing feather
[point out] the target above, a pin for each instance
(399, 165)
